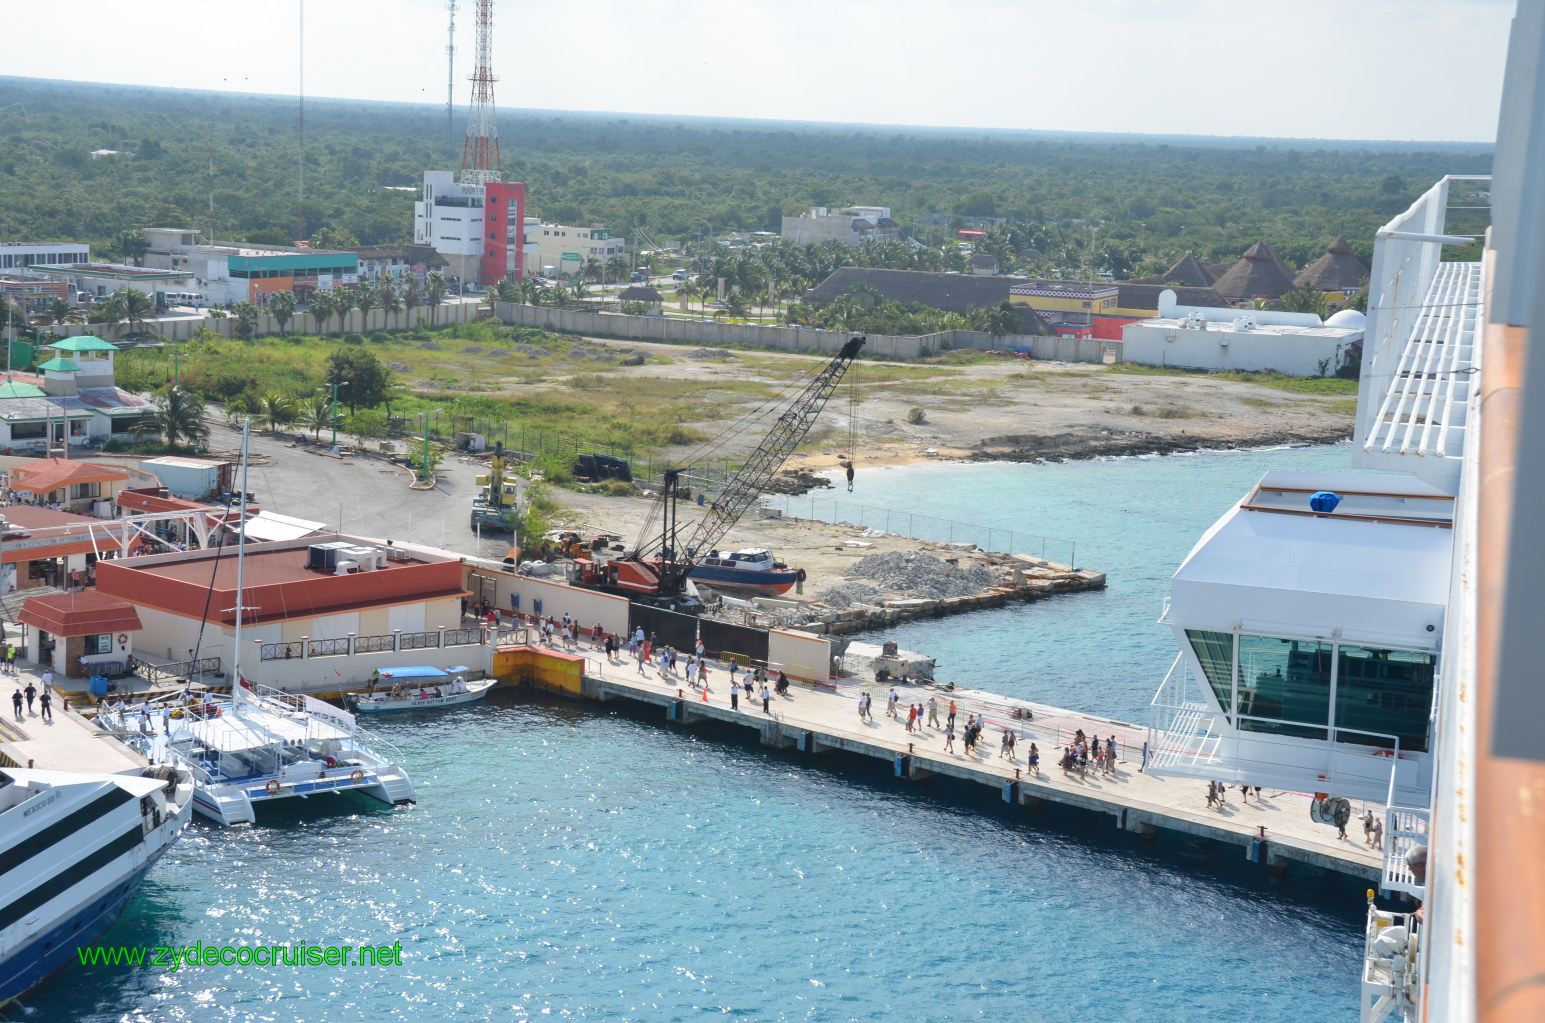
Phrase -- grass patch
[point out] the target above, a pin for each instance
(1268, 378)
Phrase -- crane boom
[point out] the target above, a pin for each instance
(656, 570)
(750, 482)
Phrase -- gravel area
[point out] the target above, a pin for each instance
(889, 575)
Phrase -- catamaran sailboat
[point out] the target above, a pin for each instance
(259, 743)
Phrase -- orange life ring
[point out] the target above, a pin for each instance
(272, 786)
(357, 777)
(123, 638)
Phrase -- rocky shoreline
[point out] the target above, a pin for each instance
(1074, 447)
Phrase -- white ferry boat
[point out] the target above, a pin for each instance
(73, 847)
(419, 687)
(1377, 636)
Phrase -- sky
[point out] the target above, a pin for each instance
(1347, 69)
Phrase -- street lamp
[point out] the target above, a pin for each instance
(424, 469)
(336, 385)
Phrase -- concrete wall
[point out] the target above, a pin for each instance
(703, 332)
(587, 606)
(1220, 348)
(183, 329)
(803, 655)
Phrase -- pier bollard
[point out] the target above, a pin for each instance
(680, 695)
(910, 749)
(1016, 774)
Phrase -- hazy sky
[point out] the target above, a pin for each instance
(1361, 69)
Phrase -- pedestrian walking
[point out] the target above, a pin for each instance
(46, 703)
(952, 713)
(1007, 749)
(1110, 753)
(1033, 760)
(933, 712)
(1145, 762)
(734, 698)
(949, 738)
(48, 680)
(890, 703)
(1378, 830)
(766, 699)
(1367, 827)
(911, 716)
(32, 694)
(16, 702)
(1212, 794)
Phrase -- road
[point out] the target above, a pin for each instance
(364, 496)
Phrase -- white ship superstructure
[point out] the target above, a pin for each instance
(1383, 643)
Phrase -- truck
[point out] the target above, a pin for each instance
(495, 507)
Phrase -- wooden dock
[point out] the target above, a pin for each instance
(823, 718)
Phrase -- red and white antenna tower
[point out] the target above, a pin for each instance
(480, 157)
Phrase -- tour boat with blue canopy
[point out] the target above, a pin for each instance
(419, 687)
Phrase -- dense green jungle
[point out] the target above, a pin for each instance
(1129, 204)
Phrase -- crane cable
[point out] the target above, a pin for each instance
(852, 420)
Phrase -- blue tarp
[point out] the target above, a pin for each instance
(418, 671)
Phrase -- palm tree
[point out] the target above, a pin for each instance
(112, 311)
(617, 268)
(276, 410)
(343, 301)
(413, 295)
(246, 319)
(735, 304)
(317, 414)
(137, 306)
(177, 414)
(388, 298)
(685, 293)
(132, 244)
(282, 308)
(1306, 300)
(591, 269)
(321, 309)
(1002, 321)
(58, 310)
(366, 298)
(436, 285)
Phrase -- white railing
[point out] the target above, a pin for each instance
(1390, 986)
(1181, 726)
(1405, 828)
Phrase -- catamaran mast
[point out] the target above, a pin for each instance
(241, 558)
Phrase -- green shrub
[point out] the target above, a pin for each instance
(915, 416)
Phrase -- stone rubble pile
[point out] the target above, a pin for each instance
(908, 575)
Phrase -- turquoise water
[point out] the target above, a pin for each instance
(567, 861)
(1135, 519)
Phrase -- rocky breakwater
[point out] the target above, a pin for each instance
(885, 588)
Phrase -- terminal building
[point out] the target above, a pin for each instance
(852, 225)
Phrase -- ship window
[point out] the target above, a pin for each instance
(1384, 691)
(1215, 651)
(1284, 686)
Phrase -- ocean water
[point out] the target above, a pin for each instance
(578, 862)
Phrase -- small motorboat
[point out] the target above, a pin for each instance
(419, 687)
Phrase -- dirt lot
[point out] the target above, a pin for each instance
(985, 409)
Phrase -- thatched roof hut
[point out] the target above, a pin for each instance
(1260, 273)
(1337, 270)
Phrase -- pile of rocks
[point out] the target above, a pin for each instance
(710, 353)
(907, 575)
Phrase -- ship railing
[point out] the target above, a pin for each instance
(159, 674)
(1181, 726)
(1405, 828)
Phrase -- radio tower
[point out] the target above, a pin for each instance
(450, 72)
(480, 157)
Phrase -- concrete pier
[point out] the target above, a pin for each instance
(824, 718)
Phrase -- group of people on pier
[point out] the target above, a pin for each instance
(1086, 752)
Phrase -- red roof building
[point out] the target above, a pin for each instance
(94, 629)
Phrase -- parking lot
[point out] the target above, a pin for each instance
(363, 495)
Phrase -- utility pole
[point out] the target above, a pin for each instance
(335, 410)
